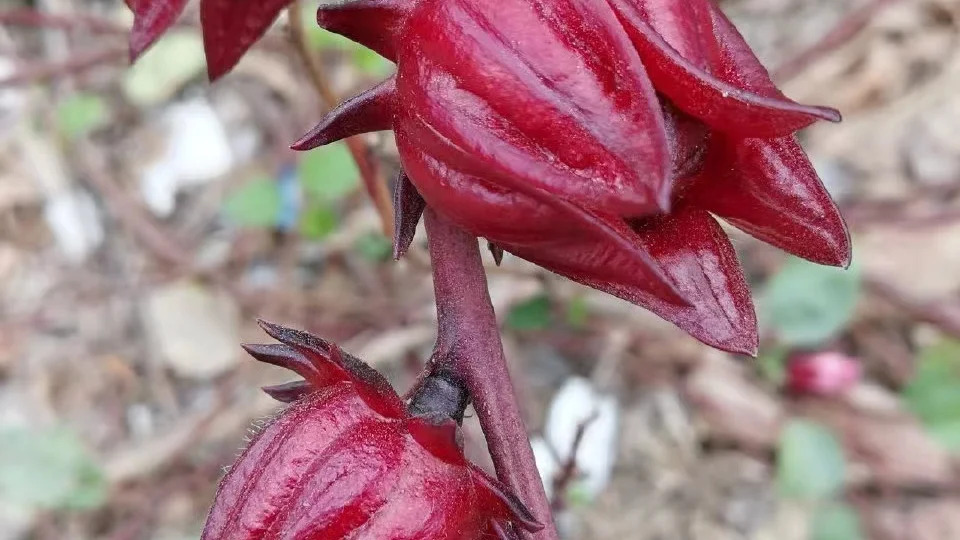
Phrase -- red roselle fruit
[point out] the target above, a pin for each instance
(595, 138)
(350, 459)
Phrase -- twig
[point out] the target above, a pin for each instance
(75, 64)
(844, 31)
(468, 344)
(939, 314)
(74, 21)
(130, 212)
(361, 152)
(569, 470)
(152, 235)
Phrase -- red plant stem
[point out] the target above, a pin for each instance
(468, 343)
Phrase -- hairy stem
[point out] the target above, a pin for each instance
(468, 344)
(366, 164)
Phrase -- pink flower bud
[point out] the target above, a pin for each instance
(827, 373)
(347, 459)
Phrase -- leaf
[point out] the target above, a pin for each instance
(836, 521)
(81, 114)
(329, 173)
(374, 247)
(810, 461)
(533, 314)
(321, 38)
(933, 394)
(49, 469)
(370, 62)
(318, 221)
(808, 304)
(772, 362)
(256, 204)
(578, 312)
(162, 70)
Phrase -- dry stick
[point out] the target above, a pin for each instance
(844, 31)
(569, 469)
(153, 235)
(362, 155)
(75, 64)
(468, 344)
(73, 21)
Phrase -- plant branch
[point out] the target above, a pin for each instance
(362, 155)
(468, 344)
(844, 31)
(73, 21)
(43, 71)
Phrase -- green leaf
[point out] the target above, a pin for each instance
(256, 204)
(534, 314)
(318, 221)
(80, 114)
(933, 394)
(810, 461)
(49, 469)
(835, 521)
(370, 62)
(165, 68)
(578, 312)
(772, 362)
(808, 303)
(375, 247)
(329, 173)
(323, 39)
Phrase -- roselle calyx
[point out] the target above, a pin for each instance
(597, 139)
(350, 459)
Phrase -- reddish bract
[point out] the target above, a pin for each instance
(230, 27)
(596, 138)
(408, 478)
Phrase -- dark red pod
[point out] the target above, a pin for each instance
(348, 460)
(596, 138)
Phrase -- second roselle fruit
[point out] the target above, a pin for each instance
(350, 459)
(598, 139)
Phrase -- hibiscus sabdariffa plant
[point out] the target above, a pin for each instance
(595, 138)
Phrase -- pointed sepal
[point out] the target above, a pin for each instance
(408, 207)
(769, 189)
(368, 112)
(695, 56)
(375, 24)
(322, 364)
(231, 27)
(696, 256)
(151, 18)
(496, 251)
(491, 491)
(289, 392)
